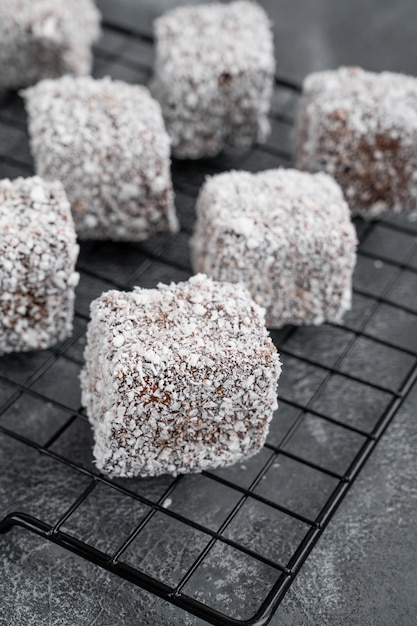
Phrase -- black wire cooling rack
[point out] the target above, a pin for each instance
(224, 545)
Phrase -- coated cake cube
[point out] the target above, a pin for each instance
(37, 260)
(178, 379)
(45, 39)
(213, 75)
(106, 141)
(361, 128)
(286, 235)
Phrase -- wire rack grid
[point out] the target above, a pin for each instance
(224, 545)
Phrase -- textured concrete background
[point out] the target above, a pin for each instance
(363, 570)
(319, 34)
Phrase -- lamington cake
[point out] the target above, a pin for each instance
(286, 235)
(106, 141)
(45, 39)
(361, 127)
(213, 75)
(178, 379)
(38, 251)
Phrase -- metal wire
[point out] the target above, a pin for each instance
(18, 162)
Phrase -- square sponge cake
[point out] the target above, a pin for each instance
(361, 128)
(45, 39)
(286, 235)
(106, 142)
(214, 75)
(38, 252)
(178, 379)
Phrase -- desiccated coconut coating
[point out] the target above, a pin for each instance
(106, 141)
(213, 75)
(44, 39)
(361, 128)
(178, 379)
(286, 235)
(38, 251)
